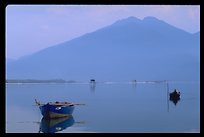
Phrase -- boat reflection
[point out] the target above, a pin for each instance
(174, 100)
(52, 125)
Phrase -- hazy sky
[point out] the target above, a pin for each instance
(30, 28)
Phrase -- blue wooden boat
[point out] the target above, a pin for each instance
(56, 109)
(50, 125)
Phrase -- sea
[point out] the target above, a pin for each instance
(106, 107)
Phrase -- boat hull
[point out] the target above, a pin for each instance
(174, 96)
(56, 111)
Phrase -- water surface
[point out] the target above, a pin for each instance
(110, 107)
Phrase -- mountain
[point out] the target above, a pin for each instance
(8, 60)
(148, 49)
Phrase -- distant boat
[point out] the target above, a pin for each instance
(56, 109)
(174, 96)
(50, 125)
(92, 81)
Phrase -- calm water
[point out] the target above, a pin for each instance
(111, 107)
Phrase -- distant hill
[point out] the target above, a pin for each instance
(148, 49)
(8, 60)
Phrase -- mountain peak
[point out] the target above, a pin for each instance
(130, 19)
(150, 18)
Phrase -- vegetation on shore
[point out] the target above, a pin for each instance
(38, 81)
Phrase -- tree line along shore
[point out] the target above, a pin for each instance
(39, 81)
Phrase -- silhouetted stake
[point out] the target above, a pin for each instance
(167, 85)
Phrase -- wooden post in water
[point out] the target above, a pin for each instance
(92, 85)
(167, 85)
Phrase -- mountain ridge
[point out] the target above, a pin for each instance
(124, 50)
(129, 18)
